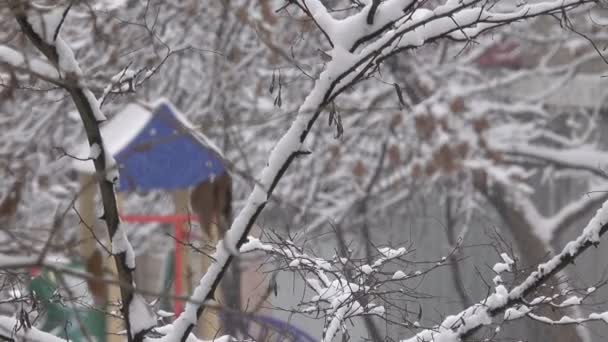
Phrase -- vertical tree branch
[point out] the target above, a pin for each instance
(451, 223)
(372, 12)
(73, 86)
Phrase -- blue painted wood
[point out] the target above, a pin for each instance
(166, 155)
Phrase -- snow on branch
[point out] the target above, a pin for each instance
(588, 157)
(351, 62)
(12, 329)
(341, 294)
(603, 317)
(455, 327)
(42, 27)
(344, 288)
(20, 62)
(573, 210)
(547, 228)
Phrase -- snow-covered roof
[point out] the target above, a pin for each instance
(156, 148)
(116, 133)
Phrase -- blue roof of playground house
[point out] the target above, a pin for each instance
(156, 148)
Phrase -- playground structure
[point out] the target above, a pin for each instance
(156, 148)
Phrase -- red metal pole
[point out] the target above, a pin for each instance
(180, 236)
(158, 218)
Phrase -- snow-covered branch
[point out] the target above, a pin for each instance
(435, 112)
(338, 297)
(455, 327)
(351, 62)
(42, 27)
(548, 228)
(14, 330)
(586, 158)
(22, 63)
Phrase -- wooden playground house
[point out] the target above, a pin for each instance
(157, 149)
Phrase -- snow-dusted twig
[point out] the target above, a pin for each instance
(339, 295)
